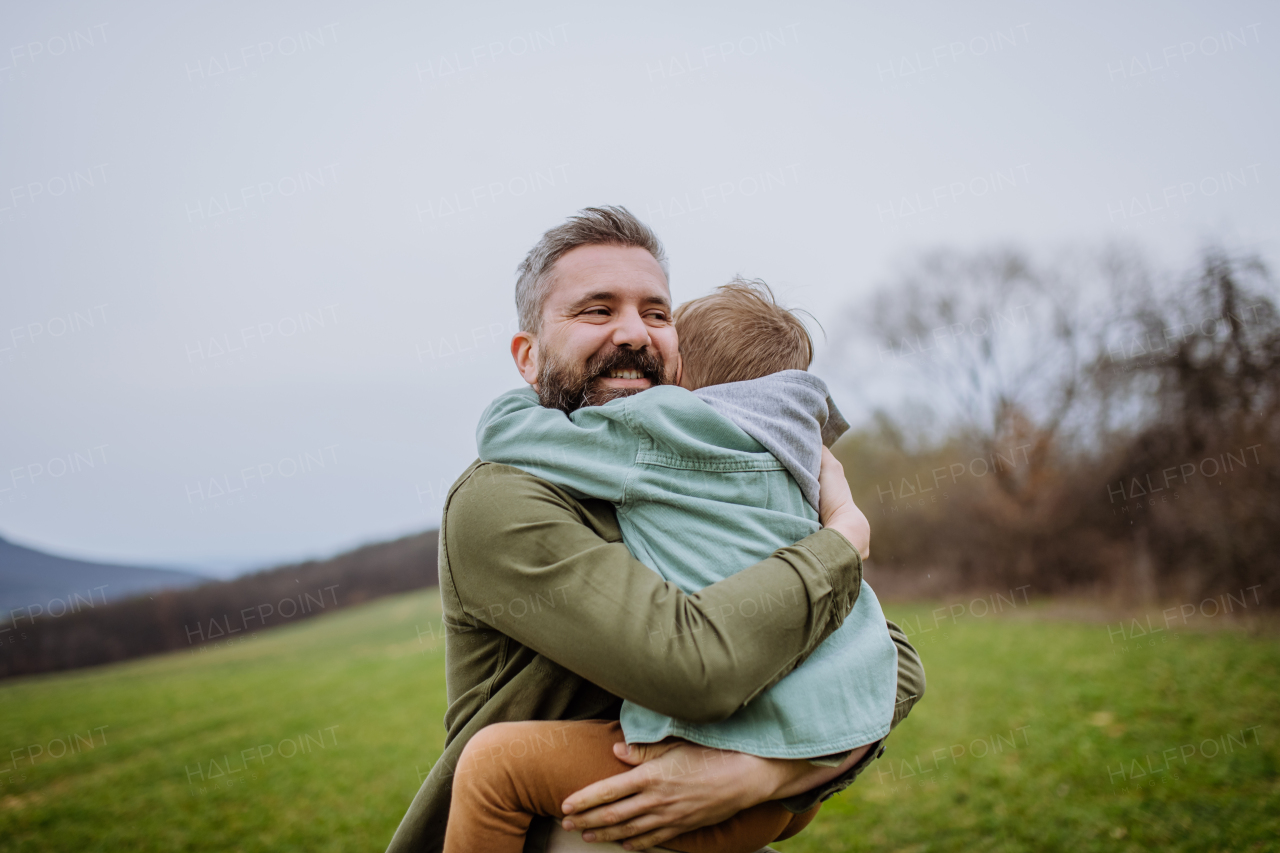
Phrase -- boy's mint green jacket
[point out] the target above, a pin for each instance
(699, 499)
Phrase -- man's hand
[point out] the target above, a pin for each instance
(681, 786)
(677, 787)
(836, 508)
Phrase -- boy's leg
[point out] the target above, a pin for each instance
(798, 822)
(745, 832)
(509, 772)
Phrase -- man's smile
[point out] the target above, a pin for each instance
(624, 379)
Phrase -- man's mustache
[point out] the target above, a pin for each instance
(569, 388)
(646, 362)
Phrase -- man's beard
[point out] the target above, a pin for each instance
(569, 388)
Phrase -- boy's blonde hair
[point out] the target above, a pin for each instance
(739, 332)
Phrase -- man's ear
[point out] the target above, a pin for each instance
(524, 351)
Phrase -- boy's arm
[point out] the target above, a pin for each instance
(590, 454)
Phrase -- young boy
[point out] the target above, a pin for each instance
(707, 478)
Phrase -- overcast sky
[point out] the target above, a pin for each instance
(256, 260)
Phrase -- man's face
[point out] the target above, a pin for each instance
(606, 329)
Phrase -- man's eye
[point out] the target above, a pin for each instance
(597, 312)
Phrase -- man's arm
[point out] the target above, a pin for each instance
(591, 607)
(670, 792)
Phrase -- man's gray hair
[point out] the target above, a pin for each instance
(591, 226)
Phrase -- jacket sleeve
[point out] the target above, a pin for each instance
(527, 561)
(590, 454)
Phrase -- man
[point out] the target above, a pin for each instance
(596, 626)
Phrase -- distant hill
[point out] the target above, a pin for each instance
(33, 582)
(213, 613)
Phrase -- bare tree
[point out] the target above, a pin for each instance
(1204, 359)
(1147, 406)
(991, 342)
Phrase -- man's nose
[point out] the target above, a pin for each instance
(630, 331)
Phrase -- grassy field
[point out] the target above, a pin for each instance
(1036, 734)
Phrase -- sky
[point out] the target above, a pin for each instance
(257, 264)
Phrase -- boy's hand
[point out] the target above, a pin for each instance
(836, 508)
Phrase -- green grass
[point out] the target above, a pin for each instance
(1091, 705)
(364, 670)
(1074, 708)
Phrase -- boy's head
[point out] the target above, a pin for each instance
(739, 332)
